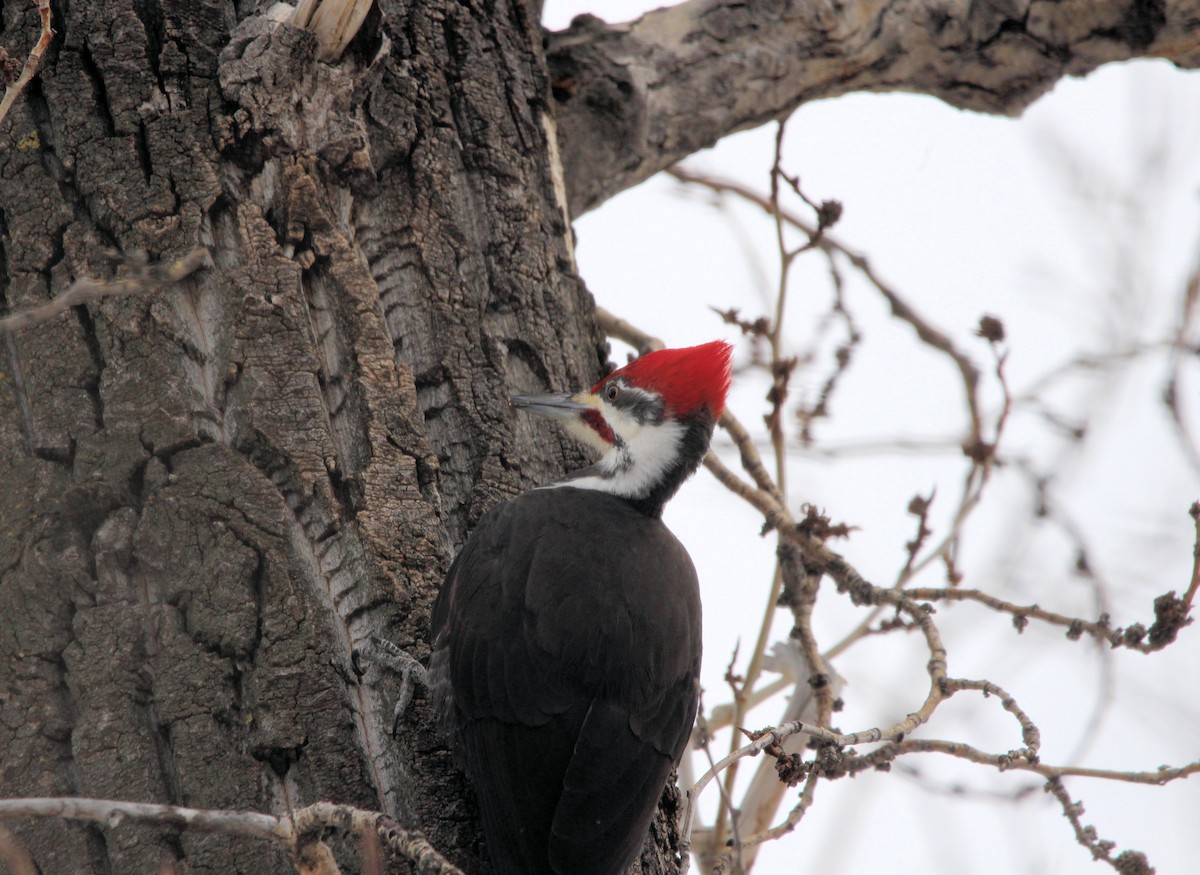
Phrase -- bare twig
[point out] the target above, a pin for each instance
(978, 447)
(925, 330)
(1093, 363)
(807, 796)
(766, 790)
(819, 559)
(781, 368)
(1126, 862)
(751, 461)
(1005, 762)
(1171, 615)
(800, 594)
(14, 89)
(614, 326)
(843, 355)
(1024, 758)
(298, 833)
(861, 592)
(982, 454)
(1188, 596)
(410, 844)
(811, 558)
(143, 276)
(112, 813)
(1031, 737)
(1171, 392)
(765, 740)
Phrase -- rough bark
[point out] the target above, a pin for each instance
(633, 99)
(210, 496)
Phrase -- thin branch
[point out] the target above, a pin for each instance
(816, 558)
(901, 309)
(1031, 737)
(899, 446)
(722, 715)
(410, 844)
(1171, 392)
(144, 276)
(1095, 362)
(784, 766)
(614, 326)
(820, 559)
(751, 460)
(14, 89)
(755, 747)
(982, 454)
(830, 764)
(113, 813)
(1188, 596)
(297, 833)
(800, 594)
(807, 797)
(1005, 762)
(861, 592)
(1171, 615)
(781, 369)
(1127, 863)
(978, 448)
(898, 744)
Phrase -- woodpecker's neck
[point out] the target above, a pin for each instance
(648, 469)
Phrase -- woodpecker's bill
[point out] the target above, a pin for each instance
(566, 638)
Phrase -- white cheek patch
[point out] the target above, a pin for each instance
(633, 466)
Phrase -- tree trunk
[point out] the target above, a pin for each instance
(213, 494)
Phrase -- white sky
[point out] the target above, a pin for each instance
(1076, 225)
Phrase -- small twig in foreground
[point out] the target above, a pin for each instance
(1170, 611)
(1127, 862)
(15, 88)
(143, 277)
(299, 833)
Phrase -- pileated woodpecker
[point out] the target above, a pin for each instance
(566, 638)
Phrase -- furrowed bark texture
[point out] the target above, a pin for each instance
(633, 99)
(211, 495)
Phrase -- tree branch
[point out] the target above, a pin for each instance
(299, 832)
(142, 276)
(14, 88)
(633, 99)
(804, 545)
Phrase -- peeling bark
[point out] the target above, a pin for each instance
(633, 99)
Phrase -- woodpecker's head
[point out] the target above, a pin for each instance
(651, 420)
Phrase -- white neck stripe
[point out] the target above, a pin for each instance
(634, 468)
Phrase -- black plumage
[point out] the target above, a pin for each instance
(566, 668)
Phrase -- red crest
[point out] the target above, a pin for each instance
(687, 379)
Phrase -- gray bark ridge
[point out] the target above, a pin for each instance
(632, 99)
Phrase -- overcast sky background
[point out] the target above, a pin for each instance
(1077, 225)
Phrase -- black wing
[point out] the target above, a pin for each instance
(566, 661)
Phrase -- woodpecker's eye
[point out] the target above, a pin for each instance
(612, 391)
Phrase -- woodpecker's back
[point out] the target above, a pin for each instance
(567, 635)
